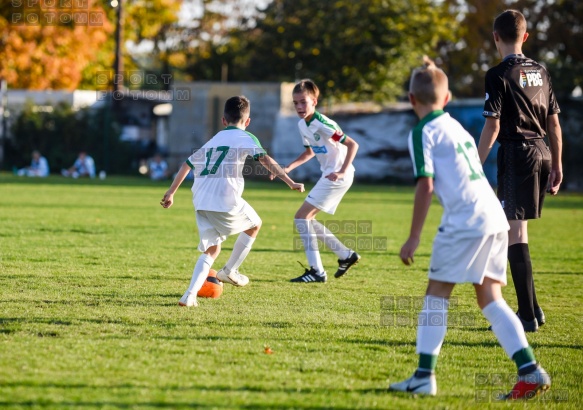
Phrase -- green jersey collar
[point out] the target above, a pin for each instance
(430, 117)
(232, 127)
(315, 116)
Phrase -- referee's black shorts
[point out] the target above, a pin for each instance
(524, 168)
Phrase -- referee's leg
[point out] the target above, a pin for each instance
(521, 270)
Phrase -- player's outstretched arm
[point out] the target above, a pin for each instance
(168, 198)
(423, 193)
(277, 171)
(304, 157)
(556, 143)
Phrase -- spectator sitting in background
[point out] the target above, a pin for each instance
(158, 168)
(39, 166)
(84, 166)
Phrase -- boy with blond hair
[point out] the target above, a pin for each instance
(324, 139)
(471, 242)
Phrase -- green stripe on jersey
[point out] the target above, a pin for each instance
(418, 144)
(260, 154)
(189, 164)
(323, 120)
(254, 138)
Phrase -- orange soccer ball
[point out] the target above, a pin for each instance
(212, 287)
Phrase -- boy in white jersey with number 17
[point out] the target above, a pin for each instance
(218, 185)
(335, 152)
(471, 242)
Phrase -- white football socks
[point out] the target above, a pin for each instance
(432, 325)
(506, 326)
(200, 273)
(310, 243)
(330, 240)
(241, 249)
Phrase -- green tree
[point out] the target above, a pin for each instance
(353, 50)
(472, 53)
(163, 37)
(556, 35)
(211, 42)
(150, 22)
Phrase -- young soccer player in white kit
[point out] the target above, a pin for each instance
(335, 151)
(218, 185)
(471, 242)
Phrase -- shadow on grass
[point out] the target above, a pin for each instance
(485, 343)
(166, 405)
(194, 404)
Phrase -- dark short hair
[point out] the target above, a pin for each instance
(510, 26)
(236, 109)
(308, 86)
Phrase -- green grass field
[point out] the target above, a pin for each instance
(91, 273)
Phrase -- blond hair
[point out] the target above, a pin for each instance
(428, 83)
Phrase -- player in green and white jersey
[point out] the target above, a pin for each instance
(471, 242)
(335, 151)
(218, 185)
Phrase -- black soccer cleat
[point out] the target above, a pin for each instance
(311, 276)
(345, 264)
(540, 316)
(528, 325)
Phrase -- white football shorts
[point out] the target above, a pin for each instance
(326, 195)
(463, 260)
(215, 227)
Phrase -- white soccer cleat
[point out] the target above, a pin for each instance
(188, 300)
(234, 278)
(417, 385)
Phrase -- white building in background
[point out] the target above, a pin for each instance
(179, 121)
(382, 135)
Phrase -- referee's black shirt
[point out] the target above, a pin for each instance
(519, 93)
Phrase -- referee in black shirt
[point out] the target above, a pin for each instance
(520, 110)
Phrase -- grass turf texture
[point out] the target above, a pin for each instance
(91, 273)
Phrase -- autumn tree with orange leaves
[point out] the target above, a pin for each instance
(46, 44)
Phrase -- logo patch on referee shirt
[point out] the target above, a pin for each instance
(530, 78)
(522, 79)
(317, 137)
